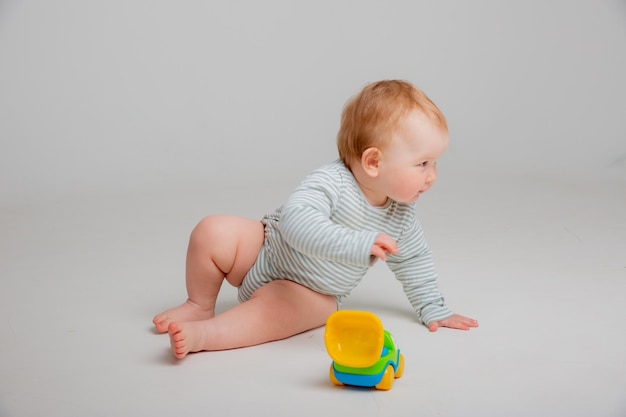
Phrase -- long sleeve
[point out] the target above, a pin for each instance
(414, 268)
(306, 224)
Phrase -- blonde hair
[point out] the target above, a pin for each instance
(368, 118)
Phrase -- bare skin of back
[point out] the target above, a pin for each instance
(225, 248)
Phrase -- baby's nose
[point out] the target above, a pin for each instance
(431, 176)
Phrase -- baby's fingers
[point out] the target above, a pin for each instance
(454, 322)
(379, 252)
(387, 243)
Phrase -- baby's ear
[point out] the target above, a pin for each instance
(370, 160)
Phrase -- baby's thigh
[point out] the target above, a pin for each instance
(294, 306)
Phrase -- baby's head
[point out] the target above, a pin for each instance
(370, 118)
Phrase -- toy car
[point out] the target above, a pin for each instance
(363, 353)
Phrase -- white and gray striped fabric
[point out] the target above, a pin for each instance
(323, 235)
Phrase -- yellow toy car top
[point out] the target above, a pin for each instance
(363, 353)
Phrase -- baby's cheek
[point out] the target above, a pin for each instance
(408, 188)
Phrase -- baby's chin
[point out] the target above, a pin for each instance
(414, 199)
(409, 201)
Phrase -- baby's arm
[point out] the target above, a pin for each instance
(386, 245)
(414, 268)
(306, 225)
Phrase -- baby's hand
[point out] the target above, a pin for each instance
(384, 245)
(454, 322)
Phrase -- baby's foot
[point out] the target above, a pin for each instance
(186, 337)
(188, 311)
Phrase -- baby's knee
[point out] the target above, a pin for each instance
(208, 228)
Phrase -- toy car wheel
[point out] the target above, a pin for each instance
(400, 369)
(387, 381)
(333, 379)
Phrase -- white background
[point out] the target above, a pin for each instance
(127, 95)
(123, 123)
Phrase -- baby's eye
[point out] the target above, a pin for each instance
(423, 164)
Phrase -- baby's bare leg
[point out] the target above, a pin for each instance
(219, 247)
(275, 311)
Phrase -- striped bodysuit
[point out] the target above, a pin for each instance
(322, 237)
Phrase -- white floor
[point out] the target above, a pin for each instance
(541, 264)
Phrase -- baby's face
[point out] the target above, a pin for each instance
(408, 166)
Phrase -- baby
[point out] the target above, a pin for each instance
(295, 266)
